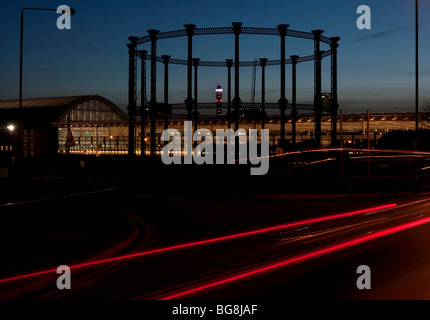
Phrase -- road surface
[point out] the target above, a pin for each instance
(313, 258)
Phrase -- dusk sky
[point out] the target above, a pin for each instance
(376, 67)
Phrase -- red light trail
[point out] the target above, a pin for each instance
(323, 150)
(299, 258)
(210, 241)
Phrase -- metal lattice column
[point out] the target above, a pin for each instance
(294, 112)
(143, 103)
(166, 112)
(196, 111)
(153, 103)
(334, 102)
(283, 101)
(318, 106)
(131, 94)
(229, 63)
(237, 29)
(263, 62)
(190, 28)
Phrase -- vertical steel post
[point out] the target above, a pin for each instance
(416, 89)
(166, 112)
(131, 94)
(237, 29)
(341, 149)
(283, 101)
(229, 63)
(153, 102)
(368, 129)
(68, 130)
(294, 112)
(341, 128)
(195, 112)
(318, 106)
(263, 63)
(143, 103)
(334, 107)
(368, 146)
(416, 69)
(21, 125)
(189, 100)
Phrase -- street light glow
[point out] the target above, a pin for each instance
(11, 127)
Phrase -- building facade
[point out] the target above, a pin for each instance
(43, 118)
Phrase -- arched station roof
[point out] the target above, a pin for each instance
(89, 108)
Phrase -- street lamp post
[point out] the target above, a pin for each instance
(20, 129)
(416, 67)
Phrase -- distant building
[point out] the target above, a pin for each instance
(218, 95)
(326, 101)
(99, 127)
(42, 118)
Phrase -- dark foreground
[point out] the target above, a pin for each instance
(193, 258)
(214, 234)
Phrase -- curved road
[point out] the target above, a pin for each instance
(313, 258)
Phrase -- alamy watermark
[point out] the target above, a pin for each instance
(64, 281)
(364, 20)
(65, 20)
(225, 140)
(364, 280)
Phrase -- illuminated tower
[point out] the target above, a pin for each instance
(218, 92)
